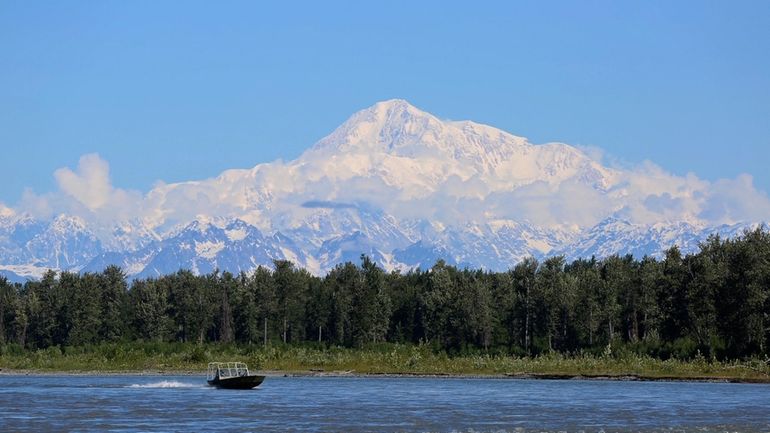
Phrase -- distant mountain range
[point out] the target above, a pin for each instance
(392, 182)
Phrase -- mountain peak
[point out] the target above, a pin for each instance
(380, 126)
(398, 128)
(417, 152)
(64, 222)
(396, 108)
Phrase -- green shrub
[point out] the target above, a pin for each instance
(197, 355)
(684, 348)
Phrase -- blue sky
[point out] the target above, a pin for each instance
(183, 90)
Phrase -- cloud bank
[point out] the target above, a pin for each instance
(86, 192)
(645, 194)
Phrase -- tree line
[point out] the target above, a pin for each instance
(712, 303)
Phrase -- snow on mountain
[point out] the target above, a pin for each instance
(393, 182)
(325, 220)
(618, 236)
(348, 248)
(64, 244)
(28, 247)
(392, 157)
(415, 153)
(497, 245)
(423, 255)
(14, 235)
(203, 247)
(130, 235)
(12, 277)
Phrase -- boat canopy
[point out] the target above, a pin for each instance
(223, 370)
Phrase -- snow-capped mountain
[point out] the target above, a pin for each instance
(392, 182)
(617, 236)
(63, 243)
(408, 148)
(203, 247)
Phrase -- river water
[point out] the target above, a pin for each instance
(361, 404)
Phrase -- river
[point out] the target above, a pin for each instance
(364, 404)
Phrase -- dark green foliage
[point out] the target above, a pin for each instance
(713, 304)
(113, 304)
(245, 311)
(524, 278)
(9, 299)
(291, 286)
(85, 313)
(149, 303)
(338, 288)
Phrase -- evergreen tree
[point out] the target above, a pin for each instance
(371, 304)
(615, 280)
(113, 305)
(708, 272)
(437, 303)
(673, 296)
(477, 308)
(553, 300)
(587, 282)
(20, 323)
(192, 305)
(46, 308)
(85, 311)
(340, 284)
(226, 288)
(151, 313)
(504, 308)
(246, 311)
(262, 285)
(291, 289)
(650, 284)
(524, 280)
(318, 311)
(7, 301)
(404, 293)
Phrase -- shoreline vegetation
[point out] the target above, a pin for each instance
(381, 360)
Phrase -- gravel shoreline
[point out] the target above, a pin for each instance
(338, 374)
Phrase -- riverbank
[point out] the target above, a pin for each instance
(338, 374)
(383, 360)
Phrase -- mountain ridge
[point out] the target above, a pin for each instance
(393, 182)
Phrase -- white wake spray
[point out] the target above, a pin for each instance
(165, 384)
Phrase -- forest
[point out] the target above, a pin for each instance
(713, 303)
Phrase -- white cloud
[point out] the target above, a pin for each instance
(272, 195)
(39, 206)
(543, 204)
(649, 194)
(735, 200)
(6, 211)
(90, 185)
(87, 193)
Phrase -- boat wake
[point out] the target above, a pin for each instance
(165, 384)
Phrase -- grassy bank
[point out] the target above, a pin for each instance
(381, 359)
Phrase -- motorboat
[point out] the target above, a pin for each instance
(232, 375)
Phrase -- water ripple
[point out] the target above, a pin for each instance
(183, 403)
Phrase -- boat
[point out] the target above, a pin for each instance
(232, 375)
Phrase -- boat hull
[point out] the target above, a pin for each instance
(237, 382)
